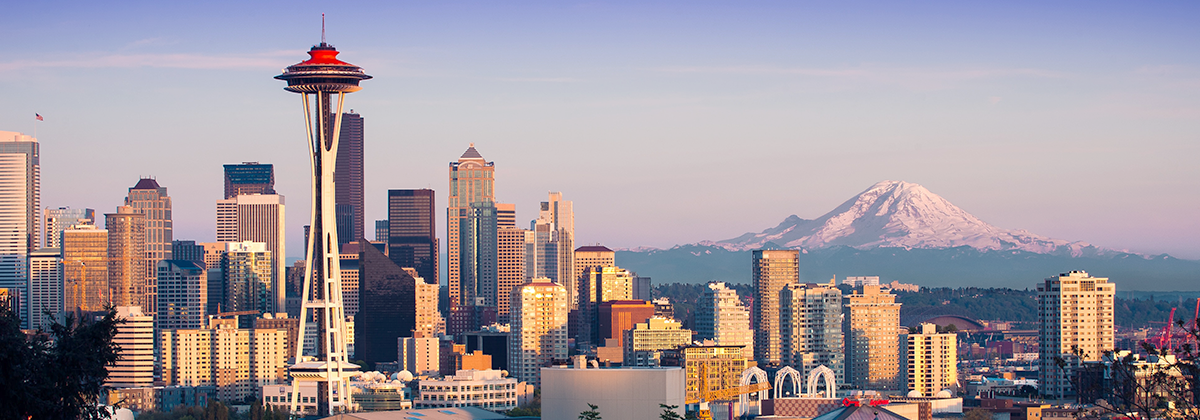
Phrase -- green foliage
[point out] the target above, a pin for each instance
(669, 412)
(56, 374)
(531, 408)
(977, 414)
(593, 413)
(213, 411)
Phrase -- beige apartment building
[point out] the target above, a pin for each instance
(772, 270)
(539, 328)
(238, 362)
(645, 343)
(871, 324)
(135, 345)
(721, 317)
(1075, 310)
(810, 324)
(930, 360)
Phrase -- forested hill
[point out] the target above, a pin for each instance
(992, 304)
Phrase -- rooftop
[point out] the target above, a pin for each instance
(593, 248)
(146, 184)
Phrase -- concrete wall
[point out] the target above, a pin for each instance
(620, 393)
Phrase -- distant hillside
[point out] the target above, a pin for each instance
(961, 266)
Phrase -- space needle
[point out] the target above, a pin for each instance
(321, 80)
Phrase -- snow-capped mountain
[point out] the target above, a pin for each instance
(897, 214)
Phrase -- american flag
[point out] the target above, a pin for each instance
(38, 116)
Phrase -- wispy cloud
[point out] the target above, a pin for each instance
(911, 77)
(540, 79)
(270, 60)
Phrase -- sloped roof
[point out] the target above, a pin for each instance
(593, 248)
(864, 412)
(471, 153)
(146, 184)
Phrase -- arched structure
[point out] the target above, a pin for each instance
(814, 379)
(782, 376)
(759, 376)
(961, 322)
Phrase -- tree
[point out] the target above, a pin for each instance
(58, 373)
(591, 414)
(977, 414)
(669, 412)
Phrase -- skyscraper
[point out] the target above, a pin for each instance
(589, 256)
(810, 328)
(596, 286)
(257, 218)
(59, 219)
(721, 317)
(471, 182)
(539, 328)
(321, 77)
(135, 346)
(510, 255)
(85, 268)
(249, 178)
(381, 230)
(554, 233)
(126, 257)
(348, 180)
(20, 203)
(151, 200)
(1075, 311)
(411, 232)
(772, 270)
(871, 327)
(182, 294)
(246, 267)
(45, 284)
(392, 304)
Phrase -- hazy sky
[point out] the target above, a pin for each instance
(665, 123)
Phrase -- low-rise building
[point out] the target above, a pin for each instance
(646, 341)
(486, 389)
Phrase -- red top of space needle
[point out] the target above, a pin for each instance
(323, 72)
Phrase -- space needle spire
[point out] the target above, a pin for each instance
(323, 82)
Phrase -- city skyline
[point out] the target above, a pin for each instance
(1004, 109)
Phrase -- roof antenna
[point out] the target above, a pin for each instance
(322, 28)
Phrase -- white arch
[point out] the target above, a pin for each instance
(781, 376)
(814, 379)
(744, 400)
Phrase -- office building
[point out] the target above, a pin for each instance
(349, 265)
(642, 289)
(392, 304)
(510, 260)
(771, 271)
(246, 273)
(348, 181)
(190, 251)
(486, 389)
(59, 219)
(871, 327)
(1075, 313)
(45, 285)
(810, 328)
(381, 231)
(85, 268)
(708, 368)
(257, 218)
(591, 256)
(554, 243)
(620, 393)
(135, 346)
(411, 232)
(127, 257)
(618, 316)
(930, 360)
(539, 328)
(596, 286)
(20, 206)
(152, 201)
(663, 308)
(249, 178)
(492, 340)
(182, 295)
(645, 343)
(238, 362)
(479, 248)
(721, 317)
(471, 182)
(419, 355)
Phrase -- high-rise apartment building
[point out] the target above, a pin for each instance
(246, 269)
(553, 253)
(645, 343)
(151, 200)
(510, 262)
(596, 286)
(85, 268)
(392, 304)
(871, 324)
(348, 180)
(238, 362)
(810, 328)
(1075, 313)
(20, 205)
(721, 317)
(249, 178)
(135, 346)
(419, 355)
(771, 271)
(257, 218)
(471, 182)
(411, 232)
(539, 328)
(45, 285)
(127, 257)
(182, 294)
(59, 219)
(930, 362)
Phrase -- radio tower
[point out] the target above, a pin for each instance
(318, 80)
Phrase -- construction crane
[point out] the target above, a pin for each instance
(726, 394)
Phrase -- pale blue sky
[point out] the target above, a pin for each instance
(665, 123)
